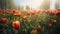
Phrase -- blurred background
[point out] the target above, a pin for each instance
(29, 4)
(41, 17)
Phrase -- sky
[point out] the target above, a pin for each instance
(32, 3)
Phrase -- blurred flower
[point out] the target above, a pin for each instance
(16, 24)
(51, 12)
(17, 14)
(9, 11)
(38, 28)
(57, 12)
(28, 13)
(24, 18)
(54, 21)
(33, 32)
(32, 12)
(4, 20)
(1, 11)
(58, 9)
(49, 25)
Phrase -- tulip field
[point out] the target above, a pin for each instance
(30, 21)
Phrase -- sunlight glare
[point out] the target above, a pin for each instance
(32, 3)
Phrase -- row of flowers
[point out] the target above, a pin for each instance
(34, 18)
(32, 12)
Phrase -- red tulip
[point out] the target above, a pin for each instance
(54, 21)
(58, 9)
(25, 18)
(4, 20)
(12, 11)
(28, 13)
(16, 24)
(57, 12)
(51, 12)
(17, 14)
(1, 11)
(33, 13)
(38, 28)
(7, 11)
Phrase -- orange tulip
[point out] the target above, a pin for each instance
(33, 32)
